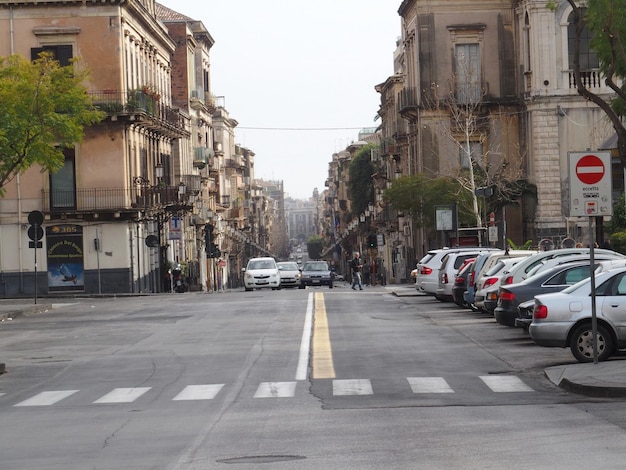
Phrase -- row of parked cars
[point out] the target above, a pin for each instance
(548, 293)
(266, 272)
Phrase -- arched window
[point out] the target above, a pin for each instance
(588, 57)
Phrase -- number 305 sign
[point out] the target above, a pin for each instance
(590, 184)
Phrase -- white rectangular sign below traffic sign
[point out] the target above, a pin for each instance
(590, 184)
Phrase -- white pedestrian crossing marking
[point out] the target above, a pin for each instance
(276, 389)
(352, 387)
(47, 398)
(429, 385)
(505, 383)
(348, 387)
(199, 392)
(122, 395)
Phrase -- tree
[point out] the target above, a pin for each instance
(417, 195)
(606, 20)
(361, 185)
(314, 246)
(467, 124)
(44, 110)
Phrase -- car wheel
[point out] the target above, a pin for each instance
(581, 343)
(301, 286)
(248, 289)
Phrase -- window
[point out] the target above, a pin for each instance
(63, 184)
(588, 57)
(62, 53)
(467, 69)
(476, 153)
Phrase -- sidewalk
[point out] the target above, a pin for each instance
(605, 379)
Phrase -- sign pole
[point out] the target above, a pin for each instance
(590, 196)
(36, 225)
(592, 272)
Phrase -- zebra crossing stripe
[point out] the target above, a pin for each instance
(352, 387)
(199, 392)
(47, 398)
(276, 389)
(123, 395)
(505, 383)
(429, 385)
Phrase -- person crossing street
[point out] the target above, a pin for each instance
(356, 266)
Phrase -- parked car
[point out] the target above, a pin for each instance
(525, 309)
(316, 273)
(289, 273)
(520, 271)
(460, 282)
(261, 273)
(551, 280)
(450, 264)
(427, 271)
(563, 319)
(525, 314)
(487, 288)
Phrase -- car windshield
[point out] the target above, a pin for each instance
(261, 264)
(322, 266)
(288, 266)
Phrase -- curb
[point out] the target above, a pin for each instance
(593, 391)
(25, 311)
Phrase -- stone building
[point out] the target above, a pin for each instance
(159, 181)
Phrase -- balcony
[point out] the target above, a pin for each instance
(200, 99)
(408, 103)
(201, 157)
(83, 200)
(193, 183)
(142, 107)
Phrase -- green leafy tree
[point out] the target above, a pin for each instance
(606, 20)
(418, 195)
(361, 185)
(314, 246)
(45, 108)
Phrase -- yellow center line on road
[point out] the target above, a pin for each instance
(322, 354)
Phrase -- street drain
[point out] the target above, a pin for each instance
(262, 459)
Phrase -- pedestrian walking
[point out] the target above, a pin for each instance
(366, 273)
(356, 266)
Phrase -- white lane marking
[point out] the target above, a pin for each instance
(276, 389)
(305, 343)
(123, 395)
(47, 398)
(429, 385)
(199, 392)
(352, 387)
(505, 383)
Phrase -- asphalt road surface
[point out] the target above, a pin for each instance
(289, 379)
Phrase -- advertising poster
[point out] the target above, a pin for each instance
(65, 258)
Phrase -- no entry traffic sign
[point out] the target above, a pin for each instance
(590, 184)
(590, 169)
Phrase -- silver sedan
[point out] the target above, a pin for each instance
(563, 319)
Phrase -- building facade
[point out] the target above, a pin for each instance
(158, 182)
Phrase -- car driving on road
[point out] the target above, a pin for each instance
(316, 273)
(289, 273)
(261, 273)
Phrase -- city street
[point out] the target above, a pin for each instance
(294, 379)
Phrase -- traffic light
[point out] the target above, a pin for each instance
(371, 240)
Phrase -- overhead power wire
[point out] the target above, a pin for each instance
(301, 128)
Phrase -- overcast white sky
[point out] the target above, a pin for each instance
(298, 64)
